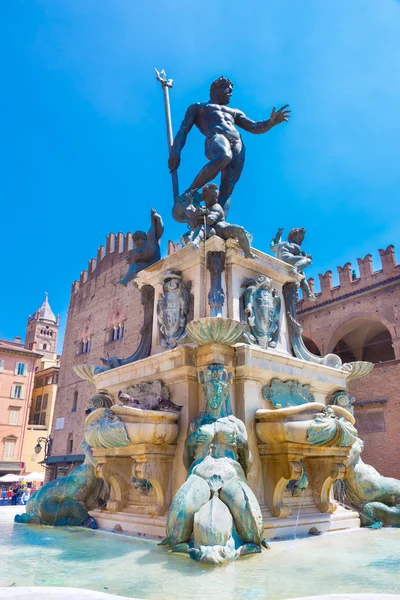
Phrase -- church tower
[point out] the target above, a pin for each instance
(42, 329)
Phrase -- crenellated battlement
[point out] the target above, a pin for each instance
(115, 249)
(351, 283)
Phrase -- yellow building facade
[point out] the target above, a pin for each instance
(41, 334)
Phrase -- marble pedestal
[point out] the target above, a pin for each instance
(251, 367)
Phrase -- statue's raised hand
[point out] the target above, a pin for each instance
(174, 161)
(279, 116)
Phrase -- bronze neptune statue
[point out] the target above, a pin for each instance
(224, 147)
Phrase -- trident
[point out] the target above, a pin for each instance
(166, 84)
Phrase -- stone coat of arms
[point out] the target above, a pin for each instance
(172, 309)
(262, 308)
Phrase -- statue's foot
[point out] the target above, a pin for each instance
(250, 255)
(195, 245)
(120, 283)
(293, 271)
(185, 548)
(272, 344)
(265, 544)
(249, 549)
(164, 542)
(311, 296)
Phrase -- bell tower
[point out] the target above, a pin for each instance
(42, 329)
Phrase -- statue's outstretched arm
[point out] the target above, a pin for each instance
(276, 117)
(157, 225)
(180, 138)
(276, 240)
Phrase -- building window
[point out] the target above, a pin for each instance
(13, 415)
(39, 382)
(117, 332)
(55, 378)
(38, 403)
(74, 402)
(36, 419)
(70, 443)
(44, 346)
(59, 423)
(370, 420)
(42, 420)
(84, 346)
(9, 449)
(20, 369)
(1, 365)
(49, 380)
(45, 401)
(17, 391)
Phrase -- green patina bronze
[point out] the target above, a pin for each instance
(375, 497)
(215, 516)
(67, 500)
(287, 393)
(329, 430)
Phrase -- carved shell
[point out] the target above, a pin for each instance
(357, 369)
(214, 330)
(85, 372)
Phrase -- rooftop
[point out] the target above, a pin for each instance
(17, 347)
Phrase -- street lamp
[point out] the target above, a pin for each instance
(47, 446)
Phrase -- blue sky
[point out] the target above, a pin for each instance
(83, 148)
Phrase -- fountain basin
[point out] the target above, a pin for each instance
(291, 424)
(143, 426)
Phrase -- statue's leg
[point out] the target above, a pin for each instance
(231, 175)
(218, 151)
(191, 496)
(128, 277)
(245, 510)
(235, 232)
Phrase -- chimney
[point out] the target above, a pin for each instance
(17, 339)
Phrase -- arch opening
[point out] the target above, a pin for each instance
(363, 339)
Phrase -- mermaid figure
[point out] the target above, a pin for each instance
(375, 497)
(215, 516)
(66, 500)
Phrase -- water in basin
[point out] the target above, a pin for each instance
(353, 562)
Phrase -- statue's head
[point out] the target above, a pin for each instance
(297, 236)
(221, 90)
(139, 239)
(210, 194)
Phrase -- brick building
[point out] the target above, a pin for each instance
(103, 320)
(359, 320)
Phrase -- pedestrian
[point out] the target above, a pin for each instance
(14, 497)
(25, 497)
(3, 495)
(9, 495)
